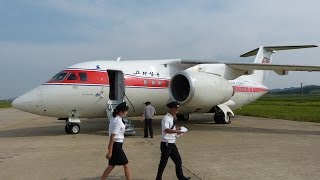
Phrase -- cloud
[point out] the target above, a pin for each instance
(42, 37)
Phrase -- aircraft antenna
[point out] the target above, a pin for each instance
(119, 58)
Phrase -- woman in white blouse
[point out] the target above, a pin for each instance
(115, 153)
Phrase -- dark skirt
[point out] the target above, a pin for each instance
(118, 156)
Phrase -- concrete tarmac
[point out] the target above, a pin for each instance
(36, 147)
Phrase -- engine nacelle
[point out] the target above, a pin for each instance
(200, 89)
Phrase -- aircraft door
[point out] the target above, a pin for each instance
(116, 85)
(116, 90)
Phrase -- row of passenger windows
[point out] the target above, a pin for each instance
(60, 76)
(155, 83)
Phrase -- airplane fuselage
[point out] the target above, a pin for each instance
(84, 90)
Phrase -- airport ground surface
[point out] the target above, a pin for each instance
(35, 147)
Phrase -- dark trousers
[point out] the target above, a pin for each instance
(170, 150)
(148, 125)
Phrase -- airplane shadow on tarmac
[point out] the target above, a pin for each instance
(88, 126)
(99, 127)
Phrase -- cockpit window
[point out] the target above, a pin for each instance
(83, 76)
(59, 76)
(72, 76)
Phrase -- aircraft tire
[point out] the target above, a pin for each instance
(67, 129)
(74, 128)
(183, 117)
(221, 119)
(218, 118)
(227, 119)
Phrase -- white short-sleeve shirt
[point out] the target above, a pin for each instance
(149, 112)
(117, 127)
(167, 123)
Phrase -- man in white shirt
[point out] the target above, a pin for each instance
(168, 139)
(148, 114)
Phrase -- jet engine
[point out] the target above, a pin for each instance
(200, 89)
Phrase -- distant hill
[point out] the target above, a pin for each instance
(311, 89)
(7, 100)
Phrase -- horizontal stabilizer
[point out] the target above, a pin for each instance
(276, 48)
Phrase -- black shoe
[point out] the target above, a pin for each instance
(151, 137)
(186, 178)
(145, 136)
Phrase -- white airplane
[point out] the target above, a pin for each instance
(89, 89)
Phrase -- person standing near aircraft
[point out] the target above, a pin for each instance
(115, 154)
(168, 139)
(148, 114)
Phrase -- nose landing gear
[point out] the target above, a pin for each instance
(72, 128)
(72, 125)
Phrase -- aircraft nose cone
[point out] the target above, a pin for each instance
(29, 102)
(16, 103)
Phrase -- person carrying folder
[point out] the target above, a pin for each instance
(168, 139)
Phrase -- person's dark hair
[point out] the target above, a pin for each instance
(147, 103)
(120, 108)
(114, 113)
(173, 104)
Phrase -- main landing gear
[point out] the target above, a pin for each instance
(222, 114)
(182, 117)
(221, 118)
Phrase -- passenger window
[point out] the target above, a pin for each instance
(83, 76)
(59, 76)
(72, 77)
(153, 83)
(159, 83)
(145, 82)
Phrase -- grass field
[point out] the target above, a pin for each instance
(4, 104)
(291, 107)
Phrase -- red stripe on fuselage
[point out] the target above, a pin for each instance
(96, 77)
(146, 82)
(249, 89)
(93, 77)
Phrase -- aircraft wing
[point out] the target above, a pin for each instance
(275, 67)
(196, 62)
(261, 62)
(246, 68)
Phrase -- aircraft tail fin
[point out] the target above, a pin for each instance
(264, 56)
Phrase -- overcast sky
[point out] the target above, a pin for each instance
(40, 38)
